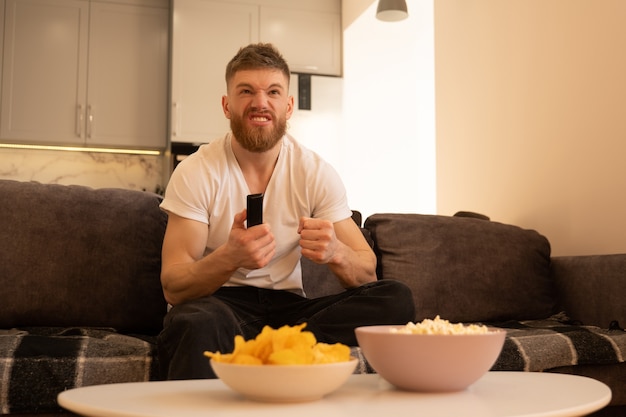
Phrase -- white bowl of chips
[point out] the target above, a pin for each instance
(432, 356)
(284, 383)
(283, 365)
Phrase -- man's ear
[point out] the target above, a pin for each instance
(225, 108)
(290, 104)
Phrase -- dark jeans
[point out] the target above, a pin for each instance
(211, 323)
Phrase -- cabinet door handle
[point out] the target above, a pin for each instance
(175, 119)
(89, 121)
(79, 120)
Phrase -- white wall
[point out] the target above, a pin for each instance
(388, 136)
(320, 128)
(531, 110)
(376, 123)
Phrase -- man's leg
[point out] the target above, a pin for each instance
(207, 324)
(333, 318)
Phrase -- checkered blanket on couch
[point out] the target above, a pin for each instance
(539, 345)
(37, 364)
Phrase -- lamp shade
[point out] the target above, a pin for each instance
(391, 10)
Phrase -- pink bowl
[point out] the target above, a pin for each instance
(427, 362)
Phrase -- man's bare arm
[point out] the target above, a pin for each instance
(342, 246)
(187, 274)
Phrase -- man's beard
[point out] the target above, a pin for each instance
(257, 139)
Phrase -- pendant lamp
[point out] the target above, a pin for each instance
(391, 10)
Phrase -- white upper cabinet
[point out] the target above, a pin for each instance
(309, 40)
(44, 82)
(206, 35)
(128, 75)
(85, 73)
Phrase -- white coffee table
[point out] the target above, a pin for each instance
(496, 394)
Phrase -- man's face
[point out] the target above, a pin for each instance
(258, 105)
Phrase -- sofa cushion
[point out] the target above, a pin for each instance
(465, 269)
(77, 256)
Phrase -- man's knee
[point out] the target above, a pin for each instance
(396, 299)
(190, 329)
(196, 314)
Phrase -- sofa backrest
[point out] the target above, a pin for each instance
(465, 269)
(77, 256)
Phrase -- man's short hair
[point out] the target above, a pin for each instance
(257, 56)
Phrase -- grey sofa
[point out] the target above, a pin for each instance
(82, 303)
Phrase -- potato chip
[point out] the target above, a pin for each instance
(245, 359)
(325, 353)
(288, 345)
(262, 346)
(290, 357)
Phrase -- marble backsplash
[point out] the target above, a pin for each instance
(97, 170)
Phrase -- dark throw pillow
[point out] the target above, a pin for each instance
(465, 269)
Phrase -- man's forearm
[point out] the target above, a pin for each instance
(188, 281)
(353, 268)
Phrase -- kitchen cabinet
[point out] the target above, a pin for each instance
(90, 73)
(310, 40)
(206, 34)
(1, 35)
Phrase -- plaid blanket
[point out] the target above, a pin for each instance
(538, 345)
(36, 364)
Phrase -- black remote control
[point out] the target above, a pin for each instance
(255, 209)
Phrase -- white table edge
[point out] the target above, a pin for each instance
(68, 399)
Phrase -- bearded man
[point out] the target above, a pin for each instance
(222, 278)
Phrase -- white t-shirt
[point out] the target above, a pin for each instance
(208, 186)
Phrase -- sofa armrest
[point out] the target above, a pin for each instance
(591, 288)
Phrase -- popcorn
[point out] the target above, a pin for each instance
(440, 326)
